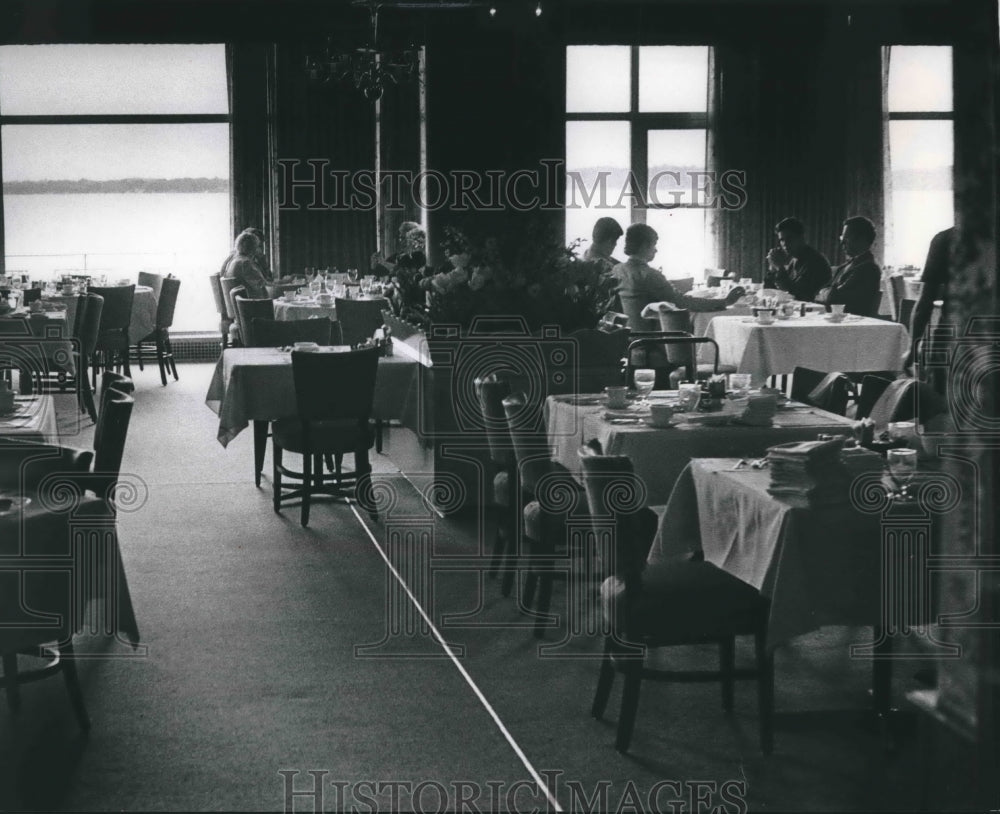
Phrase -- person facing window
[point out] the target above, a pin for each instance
(640, 284)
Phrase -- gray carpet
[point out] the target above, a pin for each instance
(251, 626)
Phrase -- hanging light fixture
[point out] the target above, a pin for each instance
(370, 69)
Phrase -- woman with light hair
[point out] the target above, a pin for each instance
(242, 266)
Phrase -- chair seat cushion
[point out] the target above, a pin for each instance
(684, 600)
(324, 436)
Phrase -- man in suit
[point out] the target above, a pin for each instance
(855, 284)
(796, 267)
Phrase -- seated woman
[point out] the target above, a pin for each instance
(640, 284)
(243, 267)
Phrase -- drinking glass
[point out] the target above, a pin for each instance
(645, 379)
(902, 468)
(366, 283)
(739, 384)
(688, 396)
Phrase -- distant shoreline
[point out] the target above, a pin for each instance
(117, 186)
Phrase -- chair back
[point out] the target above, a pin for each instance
(117, 311)
(527, 428)
(109, 438)
(359, 319)
(599, 355)
(673, 321)
(828, 391)
(682, 285)
(872, 388)
(335, 386)
(228, 285)
(248, 310)
(666, 352)
(615, 498)
(906, 307)
(905, 400)
(152, 280)
(29, 295)
(271, 333)
(897, 291)
(167, 302)
(89, 309)
(215, 283)
(110, 381)
(492, 390)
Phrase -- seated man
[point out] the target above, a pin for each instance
(604, 239)
(796, 267)
(640, 284)
(855, 284)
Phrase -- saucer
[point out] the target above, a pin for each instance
(674, 421)
(835, 320)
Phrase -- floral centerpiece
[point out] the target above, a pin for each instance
(539, 279)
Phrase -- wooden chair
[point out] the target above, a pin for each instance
(24, 467)
(334, 393)
(359, 319)
(112, 349)
(554, 497)
(827, 391)
(596, 363)
(684, 602)
(906, 306)
(157, 343)
(872, 388)
(897, 293)
(215, 283)
(29, 295)
(904, 400)
(231, 287)
(109, 440)
(248, 310)
(504, 505)
(667, 352)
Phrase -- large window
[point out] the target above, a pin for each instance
(116, 160)
(918, 194)
(636, 146)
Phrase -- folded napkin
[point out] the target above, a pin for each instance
(809, 473)
(759, 410)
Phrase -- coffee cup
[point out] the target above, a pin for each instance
(660, 415)
(765, 316)
(837, 309)
(617, 396)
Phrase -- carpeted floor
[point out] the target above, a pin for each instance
(270, 649)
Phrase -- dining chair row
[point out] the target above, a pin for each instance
(156, 345)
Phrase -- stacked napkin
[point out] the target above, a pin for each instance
(858, 460)
(759, 411)
(809, 474)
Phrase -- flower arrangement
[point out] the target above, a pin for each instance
(538, 278)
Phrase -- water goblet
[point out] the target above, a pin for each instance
(902, 468)
(352, 275)
(644, 379)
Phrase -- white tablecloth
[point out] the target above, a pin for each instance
(286, 311)
(856, 344)
(256, 384)
(659, 455)
(817, 566)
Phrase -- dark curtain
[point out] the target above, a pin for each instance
(802, 118)
(399, 151)
(331, 125)
(246, 71)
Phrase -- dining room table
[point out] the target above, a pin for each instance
(256, 384)
(143, 320)
(32, 419)
(36, 344)
(659, 454)
(816, 341)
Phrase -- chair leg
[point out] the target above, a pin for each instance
(765, 692)
(307, 479)
(545, 581)
(276, 476)
(72, 680)
(10, 681)
(259, 448)
(86, 394)
(161, 362)
(605, 680)
(727, 664)
(499, 542)
(170, 357)
(630, 703)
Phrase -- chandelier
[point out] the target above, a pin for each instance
(370, 69)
